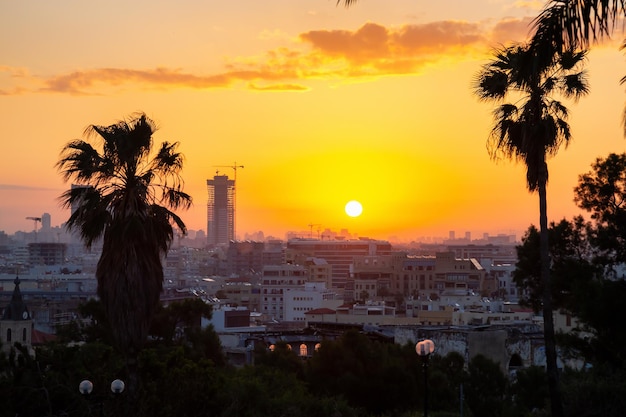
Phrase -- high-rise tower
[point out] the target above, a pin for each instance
(220, 210)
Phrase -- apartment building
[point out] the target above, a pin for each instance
(425, 276)
(319, 270)
(458, 276)
(249, 257)
(313, 295)
(338, 253)
(275, 281)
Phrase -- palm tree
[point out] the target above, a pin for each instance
(118, 199)
(573, 24)
(531, 130)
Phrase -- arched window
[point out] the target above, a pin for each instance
(515, 362)
(8, 335)
(303, 350)
(318, 346)
(24, 334)
(272, 347)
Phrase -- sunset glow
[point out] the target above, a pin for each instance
(312, 98)
(354, 208)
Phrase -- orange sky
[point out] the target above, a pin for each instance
(321, 104)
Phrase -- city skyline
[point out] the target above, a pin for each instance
(321, 104)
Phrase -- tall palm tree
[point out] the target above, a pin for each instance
(530, 130)
(124, 197)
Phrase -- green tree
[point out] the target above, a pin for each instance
(530, 389)
(486, 387)
(182, 315)
(602, 193)
(370, 375)
(572, 267)
(125, 196)
(530, 132)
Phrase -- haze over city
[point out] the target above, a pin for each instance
(319, 103)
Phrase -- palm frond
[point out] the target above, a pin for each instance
(80, 161)
(574, 24)
(492, 84)
(176, 198)
(346, 3)
(576, 85)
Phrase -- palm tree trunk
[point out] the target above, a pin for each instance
(548, 318)
(132, 401)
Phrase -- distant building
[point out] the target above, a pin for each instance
(339, 254)
(276, 281)
(220, 210)
(415, 276)
(313, 295)
(319, 270)
(498, 253)
(460, 276)
(240, 294)
(248, 257)
(40, 253)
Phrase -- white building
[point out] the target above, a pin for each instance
(277, 279)
(312, 296)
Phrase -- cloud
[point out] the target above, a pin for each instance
(279, 87)
(508, 30)
(532, 5)
(16, 187)
(371, 51)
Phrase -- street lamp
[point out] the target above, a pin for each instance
(86, 387)
(424, 349)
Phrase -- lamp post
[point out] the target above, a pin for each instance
(424, 349)
(86, 387)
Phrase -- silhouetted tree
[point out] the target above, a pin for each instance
(531, 132)
(125, 197)
(602, 193)
(572, 24)
(572, 266)
(486, 387)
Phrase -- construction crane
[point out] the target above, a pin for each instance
(234, 167)
(35, 220)
(311, 225)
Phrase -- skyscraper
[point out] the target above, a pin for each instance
(220, 210)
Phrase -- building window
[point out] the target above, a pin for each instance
(8, 335)
(24, 334)
(303, 350)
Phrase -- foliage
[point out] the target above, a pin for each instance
(531, 129)
(486, 387)
(571, 264)
(598, 391)
(530, 389)
(376, 380)
(583, 259)
(602, 193)
(121, 186)
(363, 372)
(573, 23)
(176, 384)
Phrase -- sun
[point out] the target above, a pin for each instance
(354, 208)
